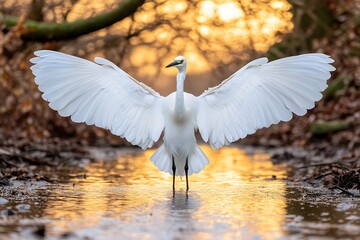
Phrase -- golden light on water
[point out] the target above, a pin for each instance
(232, 197)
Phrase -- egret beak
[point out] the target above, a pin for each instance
(172, 64)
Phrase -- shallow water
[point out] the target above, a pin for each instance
(237, 196)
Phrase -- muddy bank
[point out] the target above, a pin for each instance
(39, 161)
(322, 166)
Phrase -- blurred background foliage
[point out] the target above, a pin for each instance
(217, 37)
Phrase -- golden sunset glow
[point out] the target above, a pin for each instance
(229, 11)
(220, 28)
(207, 10)
(211, 34)
(217, 37)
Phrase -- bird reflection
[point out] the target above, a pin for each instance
(182, 201)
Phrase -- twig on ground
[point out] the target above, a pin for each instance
(346, 191)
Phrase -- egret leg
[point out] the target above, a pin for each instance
(186, 174)
(174, 171)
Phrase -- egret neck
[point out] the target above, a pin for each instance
(179, 102)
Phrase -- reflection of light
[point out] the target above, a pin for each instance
(239, 194)
(229, 198)
(229, 11)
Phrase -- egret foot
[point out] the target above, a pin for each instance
(186, 174)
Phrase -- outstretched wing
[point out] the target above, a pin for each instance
(261, 94)
(99, 93)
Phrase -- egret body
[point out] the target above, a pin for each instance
(256, 96)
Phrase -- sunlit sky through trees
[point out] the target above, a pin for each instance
(217, 37)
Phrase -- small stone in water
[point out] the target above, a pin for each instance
(23, 207)
(40, 231)
(3, 201)
(4, 182)
(342, 207)
(67, 235)
(7, 212)
(353, 217)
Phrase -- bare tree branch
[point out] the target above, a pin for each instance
(41, 31)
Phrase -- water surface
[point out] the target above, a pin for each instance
(237, 196)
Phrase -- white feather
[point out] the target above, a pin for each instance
(99, 94)
(261, 94)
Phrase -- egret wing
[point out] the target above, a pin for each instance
(99, 93)
(261, 94)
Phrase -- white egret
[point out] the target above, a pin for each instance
(259, 94)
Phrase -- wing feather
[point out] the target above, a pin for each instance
(261, 94)
(99, 93)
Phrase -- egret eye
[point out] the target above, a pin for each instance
(180, 61)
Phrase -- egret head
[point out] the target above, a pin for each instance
(179, 63)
